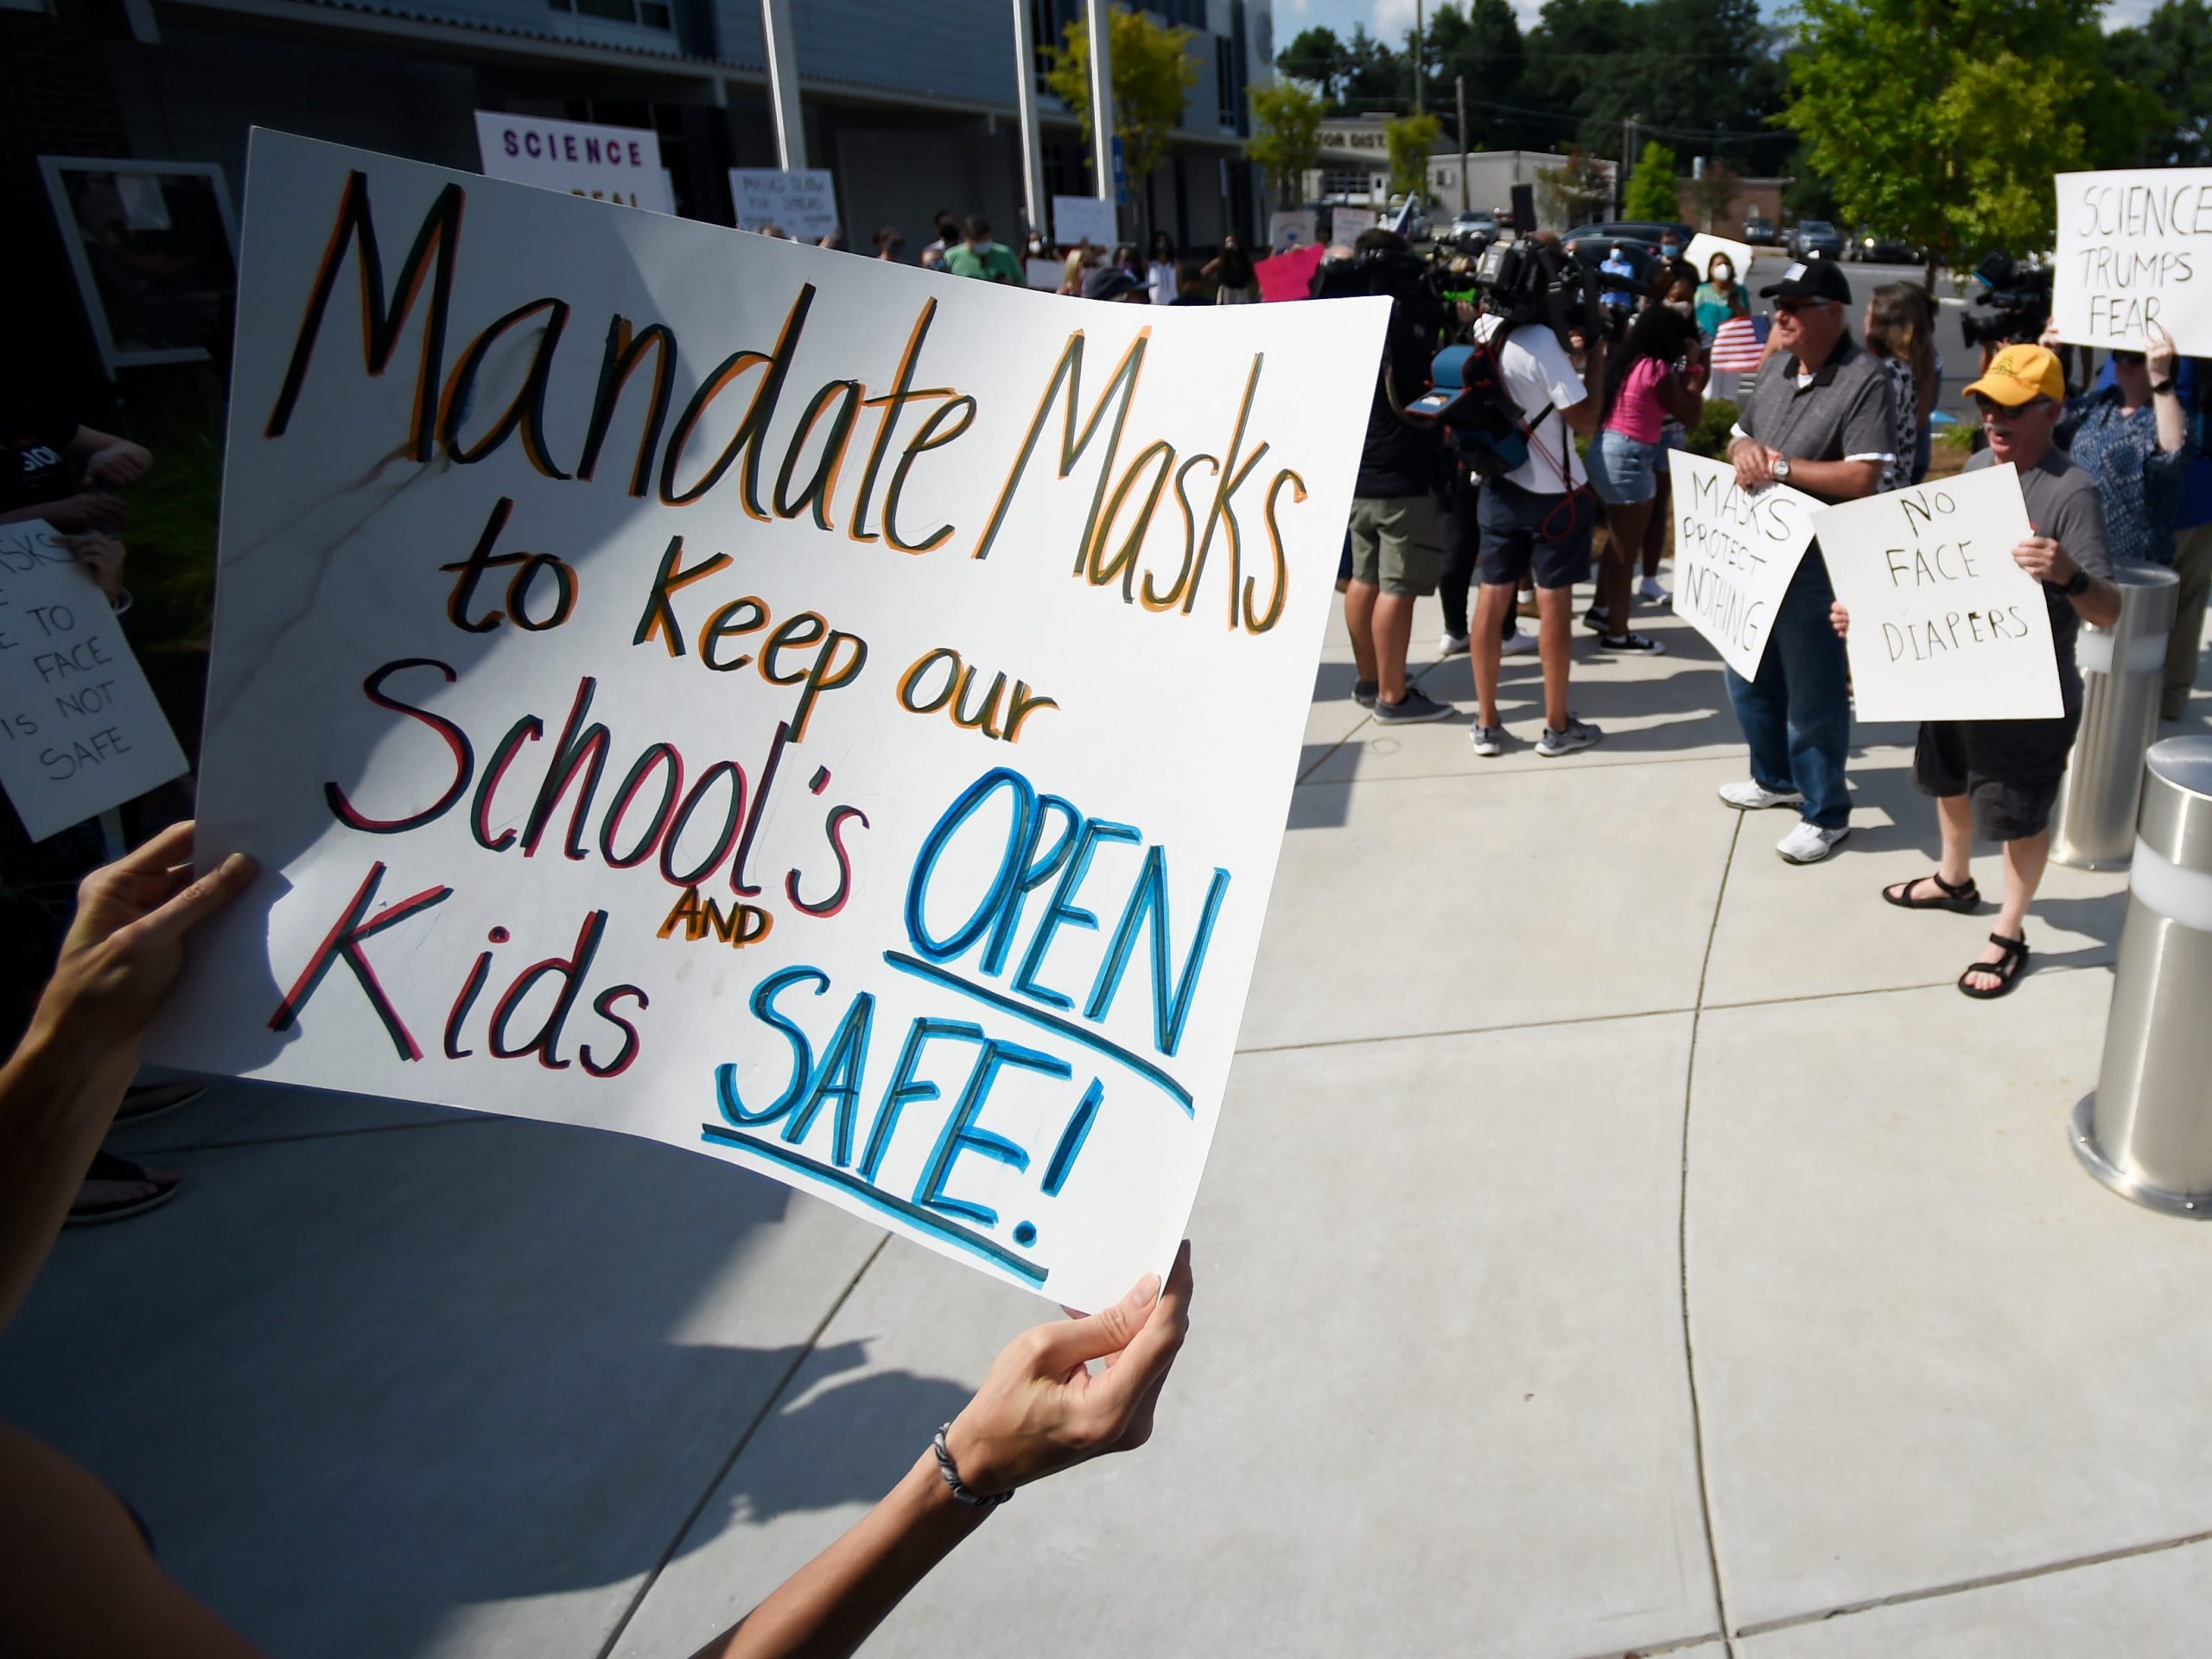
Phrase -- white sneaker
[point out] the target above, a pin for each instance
(1652, 591)
(1751, 796)
(1521, 641)
(1809, 843)
(1452, 644)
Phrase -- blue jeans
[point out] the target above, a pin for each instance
(1796, 714)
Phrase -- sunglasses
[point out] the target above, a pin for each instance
(1990, 406)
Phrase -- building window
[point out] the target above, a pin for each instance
(1048, 26)
(653, 14)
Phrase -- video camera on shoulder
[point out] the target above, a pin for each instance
(1530, 283)
(2020, 301)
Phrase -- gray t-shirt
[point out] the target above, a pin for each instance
(2062, 504)
(1839, 412)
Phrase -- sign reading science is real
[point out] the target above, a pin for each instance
(608, 163)
(804, 709)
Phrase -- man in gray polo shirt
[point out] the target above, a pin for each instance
(1820, 421)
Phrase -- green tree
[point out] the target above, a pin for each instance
(1318, 56)
(2169, 56)
(1154, 73)
(1375, 76)
(1483, 43)
(1413, 139)
(1654, 189)
(1943, 121)
(1286, 135)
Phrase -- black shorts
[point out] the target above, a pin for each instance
(2010, 769)
(1526, 534)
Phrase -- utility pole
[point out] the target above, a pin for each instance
(1025, 89)
(1459, 91)
(1628, 160)
(1102, 102)
(1420, 55)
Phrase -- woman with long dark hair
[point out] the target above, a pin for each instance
(1232, 269)
(1901, 331)
(1654, 375)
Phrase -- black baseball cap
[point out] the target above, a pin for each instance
(1109, 282)
(1816, 279)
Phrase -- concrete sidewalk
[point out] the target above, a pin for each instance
(1614, 1238)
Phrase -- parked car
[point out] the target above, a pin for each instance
(1471, 232)
(1760, 233)
(1883, 249)
(1816, 238)
(1644, 231)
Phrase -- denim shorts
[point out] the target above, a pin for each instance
(1622, 470)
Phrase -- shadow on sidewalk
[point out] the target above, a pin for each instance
(359, 1385)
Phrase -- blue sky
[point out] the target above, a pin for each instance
(1396, 18)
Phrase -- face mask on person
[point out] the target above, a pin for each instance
(1723, 274)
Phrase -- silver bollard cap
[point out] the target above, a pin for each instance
(2176, 815)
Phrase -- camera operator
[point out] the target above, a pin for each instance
(1536, 519)
(1394, 553)
(1819, 420)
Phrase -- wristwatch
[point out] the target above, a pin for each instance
(2076, 585)
(2160, 388)
(1782, 469)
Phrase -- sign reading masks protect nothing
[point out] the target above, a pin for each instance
(1735, 553)
(2134, 250)
(1944, 625)
(827, 716)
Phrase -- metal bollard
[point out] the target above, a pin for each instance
(2147, 1131)
(2093, 826)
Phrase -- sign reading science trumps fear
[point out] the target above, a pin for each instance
(1944, 625)
(1735, 553)
(2135, 248)
(831, 716)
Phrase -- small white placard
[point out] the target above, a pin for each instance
(1944, 625)
(1082, 219)
(1703, 246)
(802, 203)
(1735, 553)
(608, 163)
(1347, 223)
(80, 730)
(1291, 230)
(2135, 248)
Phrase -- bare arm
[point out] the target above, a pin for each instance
(1038, 1411)
(2173, 420)
(59, 1092)
(1836, 480)
(107, 459)
(2047, 560)
(1582, 418)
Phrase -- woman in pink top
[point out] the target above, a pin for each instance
(1654, 377)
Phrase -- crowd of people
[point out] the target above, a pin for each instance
(2110, 476)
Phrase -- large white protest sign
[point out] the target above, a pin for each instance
(1704, 245)
(1735, 552)
(1084, 218)
(802, 203)
(80, 730)
(608, 163)
(1944, 625)
(2135, 248)
(789, 706)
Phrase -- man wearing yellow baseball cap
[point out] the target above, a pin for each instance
(2001, 777)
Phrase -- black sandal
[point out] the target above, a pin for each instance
(2006, 967)
(106, 1166)
(1965, 897)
